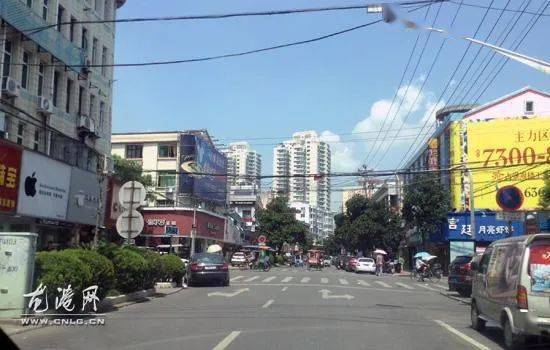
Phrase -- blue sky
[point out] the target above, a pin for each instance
(335, 86)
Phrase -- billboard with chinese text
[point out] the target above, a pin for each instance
(488, 228)
(10, 168)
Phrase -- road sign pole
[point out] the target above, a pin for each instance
(132, 189)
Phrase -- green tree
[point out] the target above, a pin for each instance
(130, 170)
(425, 204)
(544, 200)
(278, 223)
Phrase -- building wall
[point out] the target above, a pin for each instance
(514, 106)
(243, 160)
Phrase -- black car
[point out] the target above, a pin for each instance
(208, 267)
(460, 275)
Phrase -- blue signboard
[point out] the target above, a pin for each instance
(488, 228)
(203, 169)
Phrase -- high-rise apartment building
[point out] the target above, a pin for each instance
(244, 164)
(304, 155)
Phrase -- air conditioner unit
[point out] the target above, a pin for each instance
(10, 87)
(169, 193)
(45, 106)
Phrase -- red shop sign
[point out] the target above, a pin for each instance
(10, 166)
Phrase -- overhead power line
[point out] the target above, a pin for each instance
(497, 8)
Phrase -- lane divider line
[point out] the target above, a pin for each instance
(227, 340)
(269, 302)
(462, 336)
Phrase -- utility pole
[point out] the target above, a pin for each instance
(472, 206)
(101, 178)
(193, 229)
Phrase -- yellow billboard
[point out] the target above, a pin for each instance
(508, 152)
(455, 155)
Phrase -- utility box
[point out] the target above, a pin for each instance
(17, 252)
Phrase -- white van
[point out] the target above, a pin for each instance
(511, 287)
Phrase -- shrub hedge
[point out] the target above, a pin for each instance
(172, 268)
(102, 269)
(131, 270)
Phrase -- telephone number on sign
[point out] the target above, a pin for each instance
(512, 156)
(533, 192)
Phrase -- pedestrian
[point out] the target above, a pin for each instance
(379, 264)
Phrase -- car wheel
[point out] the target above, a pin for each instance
(477, 323)
(511, 341)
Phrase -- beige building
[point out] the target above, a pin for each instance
(243, 163)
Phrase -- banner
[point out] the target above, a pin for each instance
(10, 167)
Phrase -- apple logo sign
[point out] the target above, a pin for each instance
(30, 185)
(80, 199)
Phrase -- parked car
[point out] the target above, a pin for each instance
(460, 275)
(327, 261)
(511, 287)
(238, 258)
(208, 267)
(351, 263)
(365, 265)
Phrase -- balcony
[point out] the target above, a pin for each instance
(22, 18)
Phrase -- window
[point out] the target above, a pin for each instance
(94, 51)
(92, 106)
(60, 12)
(166, 179)
(104, 61)
(72, 28)
(56, 88)
(20, 133)
(529, 107)
(68, 100)
(97, 6)
(36, 139)
(7, 58)
(106, 13)
(29, 3)
(25, 70)
(167, 151)
(101, 115)
(134, 151)
(45, 10)
(80, 99)
(85, 40)
(484, 263)
(247, 213)
(41, 70)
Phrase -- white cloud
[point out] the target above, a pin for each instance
(342, 153)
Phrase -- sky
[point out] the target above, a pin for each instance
(342, 87)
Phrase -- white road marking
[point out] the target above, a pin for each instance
(363, 283)
(462, 336)
(404, 285)
(284, 288)
(236, 278)
(325, 294)
(229, 295)
(439, 286)
(324, 280)
(424, 286)
(269, 279)
(227, 340)
(269, 302)
(251, 278)
(383, 284)
(343, 281)
(287, 279)
(305, 280)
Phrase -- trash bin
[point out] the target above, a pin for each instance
(17, 251)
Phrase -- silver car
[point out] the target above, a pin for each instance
(511, 287)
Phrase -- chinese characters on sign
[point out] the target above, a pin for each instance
(160, 222)
(10, 164)
(64, 299)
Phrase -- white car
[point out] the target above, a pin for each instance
(238, 258)
(327, 262)
(365, 265)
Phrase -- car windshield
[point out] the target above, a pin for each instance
(206, 258)
(462, 259)
(366, 260)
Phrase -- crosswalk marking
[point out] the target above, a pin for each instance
(439, 286)
(236, 278)
(383, 284)
(305, 280)
(343, 281)
(287, 279)
(363, 283)
(324, 280)
(423, 286)
(252, 278)
(269, 279)
(404, 285)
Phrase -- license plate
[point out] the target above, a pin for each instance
(210, 267)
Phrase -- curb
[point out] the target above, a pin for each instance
(452, 297)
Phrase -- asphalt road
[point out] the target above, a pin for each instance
(283, 309)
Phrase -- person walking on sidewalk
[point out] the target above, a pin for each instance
(379, 264)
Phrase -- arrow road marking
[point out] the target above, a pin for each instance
(269, 302)
(251, 278)
(227, 340)
(403, 285)
(269, 279)
(324, 280)
(325, 294)
(305, 280)
(363, 283)
(343, 281)
(236, 278)
(229, 295)
(287, 279)
(383, 284)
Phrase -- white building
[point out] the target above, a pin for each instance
(304, 164)
(244, 164)
(319, 221)
(56, 106)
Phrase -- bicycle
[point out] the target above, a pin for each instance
(432, 275)
(414, 274)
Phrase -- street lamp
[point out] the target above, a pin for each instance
(389, 15)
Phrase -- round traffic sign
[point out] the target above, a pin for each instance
(509, 198)
(262, 239)
(131, 195)
(129, 224)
